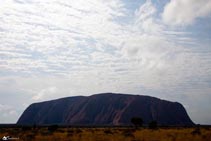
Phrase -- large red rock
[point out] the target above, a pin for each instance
(105, 109)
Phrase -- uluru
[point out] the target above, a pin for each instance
(105, 109)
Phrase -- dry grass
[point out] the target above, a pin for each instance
(108, 134)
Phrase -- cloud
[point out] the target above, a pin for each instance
(145, 19)
(45, 93)
(36, 33)
(51, 49)
(145, 11)
(7, 114)
(185, 12)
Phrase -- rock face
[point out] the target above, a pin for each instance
(105, 109)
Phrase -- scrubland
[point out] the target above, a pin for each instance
(108, 134)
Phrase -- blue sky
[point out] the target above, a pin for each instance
(58, 48)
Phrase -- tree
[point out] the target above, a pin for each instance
(53, 128)
(137, 121)
(34, 126)
(153, 124)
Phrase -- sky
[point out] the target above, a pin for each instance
(59, 48)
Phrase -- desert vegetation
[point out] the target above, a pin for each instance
(55, 133)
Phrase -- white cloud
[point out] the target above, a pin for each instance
(46, 93)
(40, 30)
(186, 12)
(51, 49)
(7, 114)
(145, 11)
(145, 20)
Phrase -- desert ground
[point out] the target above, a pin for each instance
(54, 133)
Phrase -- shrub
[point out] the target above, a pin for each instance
(196, 131)
(153, 124)
(26, 128)
(53, 128)
(107, 131)
(137, 121)
(77, 131)
(128, 133)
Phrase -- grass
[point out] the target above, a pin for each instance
(108, 134)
